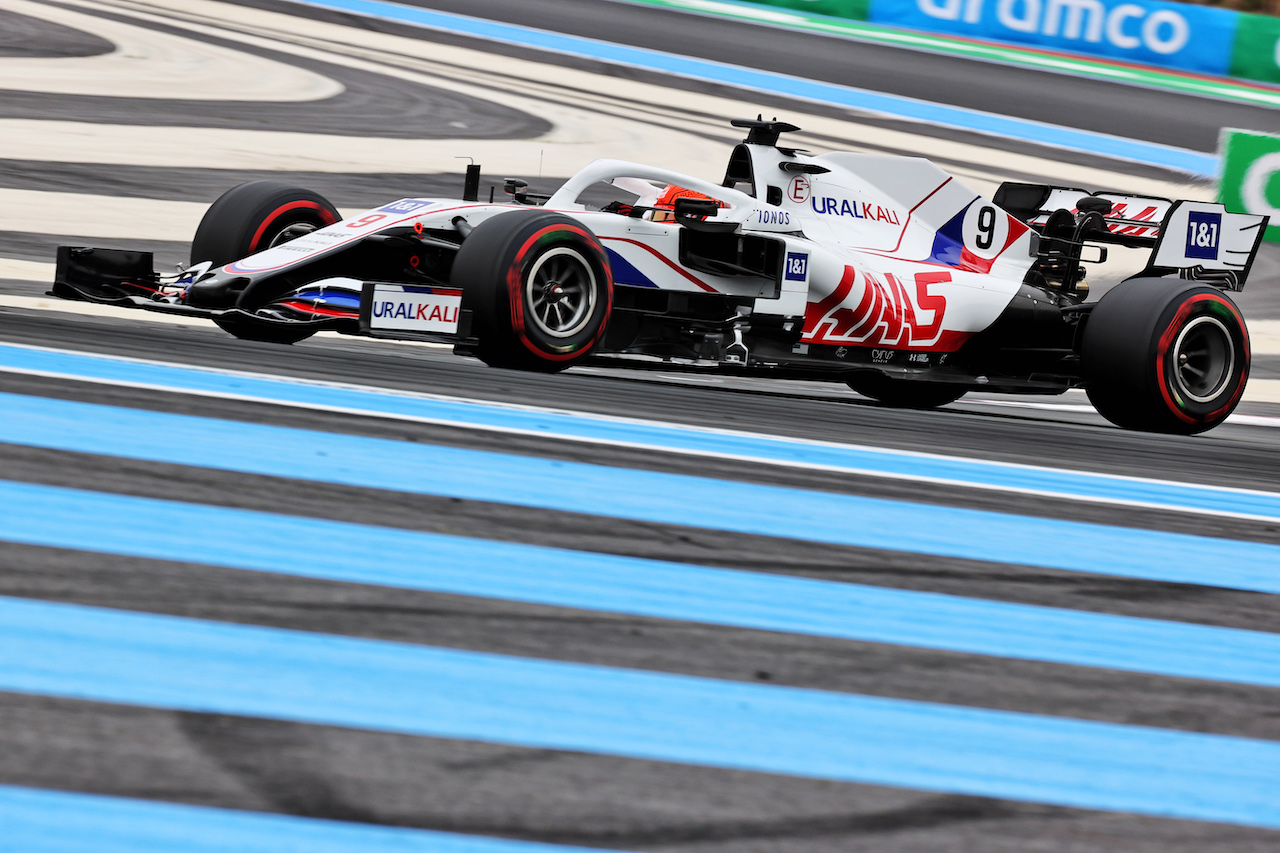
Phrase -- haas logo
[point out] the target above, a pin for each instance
(886, 315)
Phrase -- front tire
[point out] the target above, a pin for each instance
(256, 216)
(1162, 355)
(905, 393)
(250, 218)
(539, 288)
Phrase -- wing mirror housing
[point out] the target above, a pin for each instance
(695, 213)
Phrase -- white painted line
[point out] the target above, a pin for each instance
(103, 217)
(1026, 404)
(668, 437)
(19, 270)
(1268, 393)
(1264, 336)
(1254, 420)
(93, 309)
(1262, 391)
(85, 216)
(149, 63)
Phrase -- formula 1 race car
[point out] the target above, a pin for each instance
(879, 271)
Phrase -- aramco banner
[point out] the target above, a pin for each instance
(1176, 35)
(1250, 179)
(1147, 32)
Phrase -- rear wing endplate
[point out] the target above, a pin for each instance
(1201, 241)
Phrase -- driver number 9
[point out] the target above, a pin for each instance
(986, 230)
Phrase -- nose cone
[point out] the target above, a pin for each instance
(221, 290)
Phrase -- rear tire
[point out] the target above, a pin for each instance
(1162, 355)
(252, 217)
(539, 288)
(905, 393)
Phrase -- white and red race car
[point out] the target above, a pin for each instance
(879, 271)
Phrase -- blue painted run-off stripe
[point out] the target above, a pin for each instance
(166, 662)
(40, 821)
(854, 459)
(91, 521)
(639, 495)
(1194, 162)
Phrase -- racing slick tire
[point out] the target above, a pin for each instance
(539, 288)
(252, 217)
(905, 393)
(1164, 355)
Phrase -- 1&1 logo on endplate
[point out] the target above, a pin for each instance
(1203, 230)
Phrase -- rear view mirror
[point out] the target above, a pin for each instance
(698, 214)
(687, 207)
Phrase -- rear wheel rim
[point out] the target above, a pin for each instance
(1204, 357)
(560, 291)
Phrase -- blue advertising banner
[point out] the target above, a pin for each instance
(1177, 35)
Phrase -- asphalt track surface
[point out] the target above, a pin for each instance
(84, 526)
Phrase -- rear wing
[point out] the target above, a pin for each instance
(1134, 220)
(1196, 240)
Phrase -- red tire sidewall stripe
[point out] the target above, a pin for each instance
(325, 216)
(1166, 341)
(515, 288)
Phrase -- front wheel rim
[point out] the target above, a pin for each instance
(1204, 357)
(291, 232)
(560, 291)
